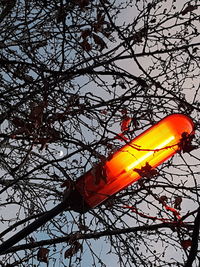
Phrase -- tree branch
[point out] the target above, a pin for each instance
(94, 235)
(195, 237)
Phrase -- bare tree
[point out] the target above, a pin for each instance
(79, 79)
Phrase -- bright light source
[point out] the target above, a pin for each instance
(150, 149)
(142, 159)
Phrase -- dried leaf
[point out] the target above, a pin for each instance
(83, 227)
(51, 133)
(43, 254)
(76, 246)
(163, 199)
(104, 111)
(57, 117)
(142, 82)
(99, 41)
(109, 146)
(85, 33)
(37, 109)
(74, 100)
(188, 9)
(98, 26)
(146, 171)
(40, 44)
(86, 46)
(61, 15)
(125, 123)
(82, 3)
(153, 20)
(20, 131)
(124, 111)
(18, 122)
(100, 16)
(99, 173)
(43, 141)
(122, 85)
(177, 203)
(108, 34)
(138, 36)
(186, 243)
(28, 78)
(185, 143)
(67, 184)
(36, 113)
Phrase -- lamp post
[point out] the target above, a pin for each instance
(128, 164)
(138, 157)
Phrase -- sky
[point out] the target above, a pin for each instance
(99, 245)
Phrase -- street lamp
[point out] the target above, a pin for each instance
(137, 158)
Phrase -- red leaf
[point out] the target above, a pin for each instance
(36, 114)
(163, 200)
(43, 142)
(67, 184)
(86, 46)
(18, 122)
(85, 33)
(76, 246)
(125, 123)
(174, 211)
(21, 131)
(186, 243)
(124, 111)
(37, 110)
(43, 254)
(100, 16)
(177, 203)
(104, 111)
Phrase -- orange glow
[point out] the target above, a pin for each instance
(152, 147)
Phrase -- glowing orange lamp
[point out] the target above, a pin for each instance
(128, 164)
